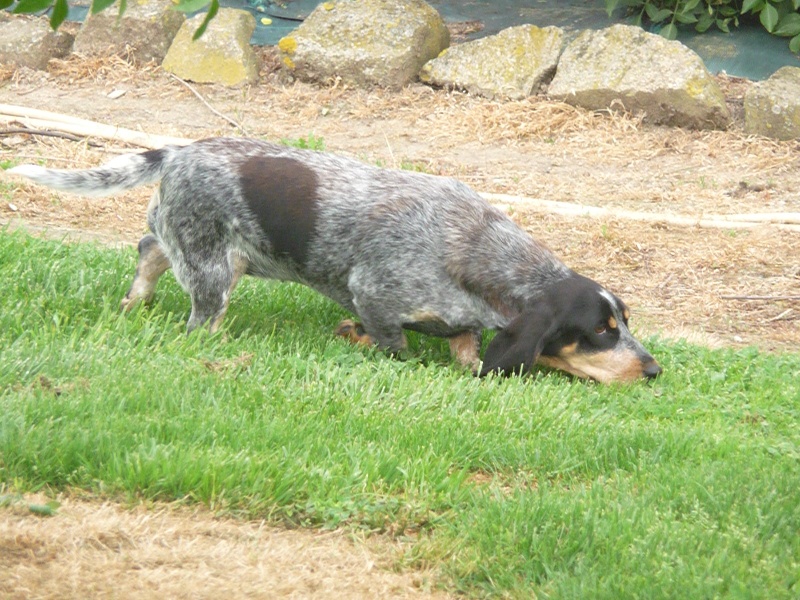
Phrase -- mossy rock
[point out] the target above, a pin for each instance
(147, 28)
(772, 107)
(30, 42)
(513, 64)
(221, 55)
(365, 42)
(625, 67)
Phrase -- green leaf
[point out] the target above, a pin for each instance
(212, 12)
(794, 44)
(684, 18)
(669, 31)
(769, 17)
(655, 15)
(60, 11)
(704, 23)
(788, 26)
(796, 4)
(123, 6)
(722, 25)
(689, 6)
(4, 4)
(753, 6)
(98, 5)
(611, 6)
(32, 6)
(190, 6)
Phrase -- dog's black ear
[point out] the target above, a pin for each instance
(515, 348)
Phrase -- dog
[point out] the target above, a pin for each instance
(401, 250)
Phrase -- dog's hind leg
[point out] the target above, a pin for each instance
(210, 287)
(152, 265)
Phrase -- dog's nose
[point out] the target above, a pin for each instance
(651, 369)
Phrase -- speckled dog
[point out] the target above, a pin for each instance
(401, 250)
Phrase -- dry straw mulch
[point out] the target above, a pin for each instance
(681, 281)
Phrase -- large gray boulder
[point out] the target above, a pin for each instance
(639, 71)
(221, 55)
(146, 28)
(29, 42)
(365, 42)
(772, 107)
(512, 64)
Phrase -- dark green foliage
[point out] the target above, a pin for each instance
(779, 17)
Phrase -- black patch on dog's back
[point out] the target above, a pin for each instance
(282, 193)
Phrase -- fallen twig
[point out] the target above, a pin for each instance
(780, 316)
(58, 134)
(794, 298)
(236, 124)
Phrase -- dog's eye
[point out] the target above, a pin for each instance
(601, 329)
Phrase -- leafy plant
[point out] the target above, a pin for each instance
(60, 9)
(779, 17)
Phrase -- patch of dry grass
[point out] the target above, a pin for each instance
(92, 548)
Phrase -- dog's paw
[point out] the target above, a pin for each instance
(354, 332)
(127, 303)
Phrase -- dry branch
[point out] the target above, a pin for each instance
(42, 119)
(785, 221)
(760, 297)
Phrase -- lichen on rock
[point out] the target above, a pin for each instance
(221, 55)
(514, 64)
(365, 42)
(772, 107)
(641, 72)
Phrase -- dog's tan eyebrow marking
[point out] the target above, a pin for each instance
(626, 313)
(282, 194)
(612, 322)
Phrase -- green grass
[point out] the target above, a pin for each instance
(309, 142)
(546, 486)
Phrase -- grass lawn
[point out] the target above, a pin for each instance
(685, 488)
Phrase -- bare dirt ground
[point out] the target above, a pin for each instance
(718, 286)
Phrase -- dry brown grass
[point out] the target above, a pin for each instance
(677, 278)
(95, 549)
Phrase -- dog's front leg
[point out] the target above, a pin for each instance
(465, 348)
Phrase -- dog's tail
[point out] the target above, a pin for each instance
(119, 174)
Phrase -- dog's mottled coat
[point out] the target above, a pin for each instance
(402, 250)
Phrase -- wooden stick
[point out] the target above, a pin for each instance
(58, 134)
(786, 221)
(236, 124)
(43, 119)
(108, 132)
(22, 111)
(760, 297)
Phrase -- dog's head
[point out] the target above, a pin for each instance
(576, 326)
